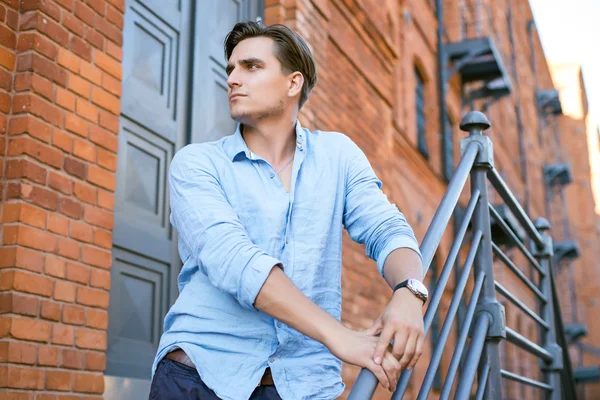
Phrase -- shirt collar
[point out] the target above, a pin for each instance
(236, 147)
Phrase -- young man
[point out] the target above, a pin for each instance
(259, 216)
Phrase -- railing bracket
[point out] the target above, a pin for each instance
(497, 315)
(557, 358)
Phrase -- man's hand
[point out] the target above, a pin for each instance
(402, 320)
(356, 348)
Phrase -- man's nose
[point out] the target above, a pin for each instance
(233, 79)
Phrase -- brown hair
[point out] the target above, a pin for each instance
(290, 49)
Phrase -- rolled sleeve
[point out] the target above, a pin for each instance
(369, 217)
(210, 228)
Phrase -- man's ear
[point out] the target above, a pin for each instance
(296, 81)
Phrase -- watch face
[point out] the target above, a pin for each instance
(418, 289)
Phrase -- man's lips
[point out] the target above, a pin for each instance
(235, 96)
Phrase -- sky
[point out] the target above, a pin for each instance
(570, 32)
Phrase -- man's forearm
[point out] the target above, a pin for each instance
(282, 300)
(402, 264)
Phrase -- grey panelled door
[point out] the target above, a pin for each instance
(174, 92)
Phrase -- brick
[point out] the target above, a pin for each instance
(81, 48)
(30, 103)
(95, 361)
(8, 37)
(68, 4)
(109, 65)
(107, 160)
(92, 297)
(23, 168)
(64, 291)
(48, 356)
(29, 259)
(98, 217)
(91, 339)
(84, 150)
(59, 380)
(119, 4)
(7, 59)
(19, 304)
(60, 182)
(32, 283)
(106, 100)
(102, 178)
(109, 30)
(24, 377)
(91, 73)
(39, 64)
(85, 13)
(50, 310)
(114, 51)
(72, 359)
(21, 353)
(112, 86)
(78, 273)
(62, 140)
(85, 192)
(98, 5)
(25, 213)
(30, 329)
(74, 24)
(67, 59)
(36, 20)
(6, 79)
(76, 125)
(47, 7)
(97, 319)
(11, 234)
(30, 125)
(89, 383)
(80, 86)
(55, 266)
(81, 231)
(75, 168)
(40, 196)
(36, 239)
(68, 248)
(74, 315)
(95, 39)
(38, 84)
(110, 122)
(100, 279)
(71, 208)
(37, 42)
(65, 99)
(63, 334)
(58, 224)
(87, 110)
(106, 199)
(35, 149)
(115, 17)
(102, 238)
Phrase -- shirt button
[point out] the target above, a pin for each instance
(279, 324)
(271, 359)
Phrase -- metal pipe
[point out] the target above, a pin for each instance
(442, 215)
(474, 354)
(516, 240)
(504, 258)
(445, 332)
(462, 338)
(522, 379)
(482, 383)
(514, 206)
(527, 345)
(504, 292)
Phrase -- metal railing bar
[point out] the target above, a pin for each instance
(473, 355)
(504, 292)
(462, 339)
(527, 345)
(516, 240)
(514, 206)
(504, 258)
(482, 383)
(522, 379)
(450, 316)
(442, 215)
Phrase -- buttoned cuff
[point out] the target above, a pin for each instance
(399, 242)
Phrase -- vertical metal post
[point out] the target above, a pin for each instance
(551, 371)
(475, 123)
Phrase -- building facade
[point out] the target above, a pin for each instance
(96, 96)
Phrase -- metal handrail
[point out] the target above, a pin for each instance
(485, 319)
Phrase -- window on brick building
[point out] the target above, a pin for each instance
(420, 103)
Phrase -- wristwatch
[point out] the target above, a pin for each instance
(416, 287)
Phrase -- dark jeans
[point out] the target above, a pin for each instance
(176, 381)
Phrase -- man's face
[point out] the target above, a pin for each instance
(257, 87)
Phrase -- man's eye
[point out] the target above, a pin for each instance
(253, 66)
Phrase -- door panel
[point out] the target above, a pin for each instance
(174, 92)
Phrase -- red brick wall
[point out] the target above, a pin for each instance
(60, 83)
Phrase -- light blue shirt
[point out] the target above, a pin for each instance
(235, 222)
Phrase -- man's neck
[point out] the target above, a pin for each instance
(275, 141)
